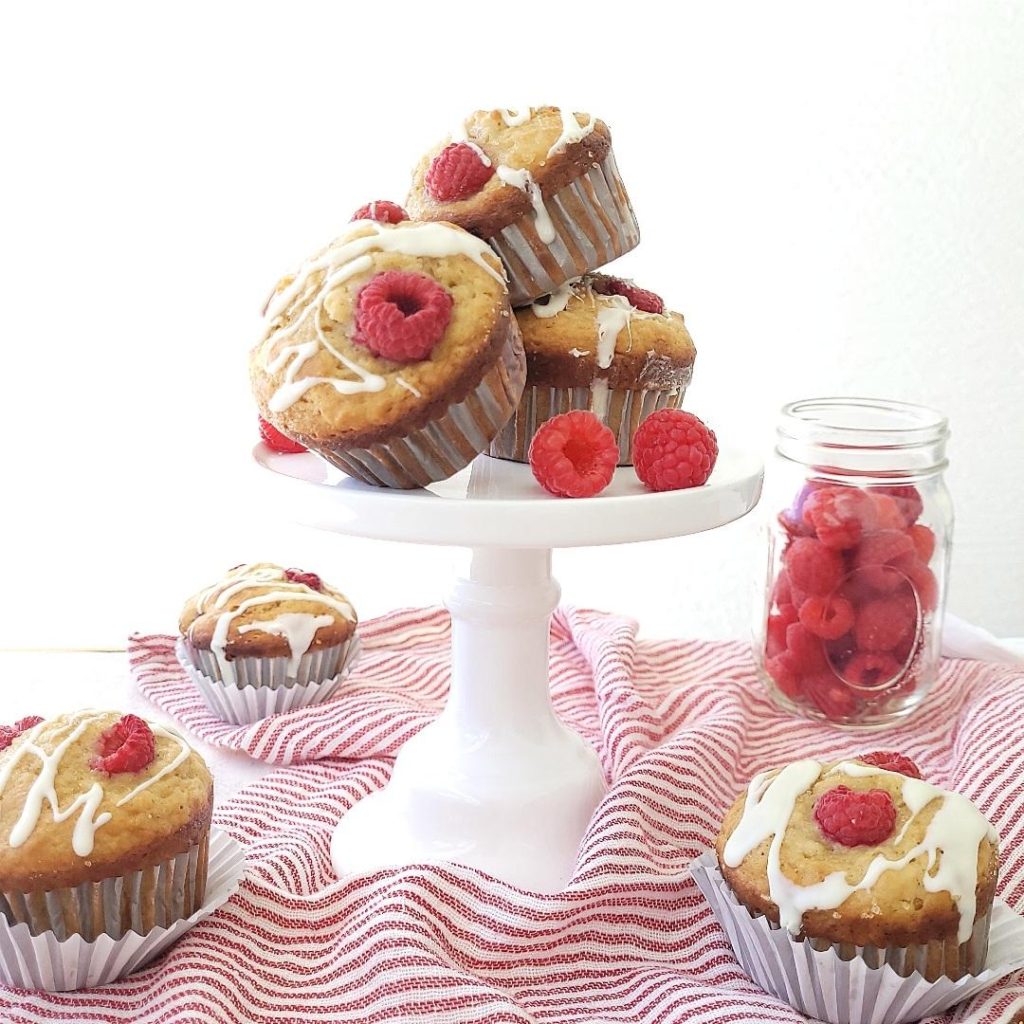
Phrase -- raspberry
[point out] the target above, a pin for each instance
(638, 298)
(839, 515)
(310, 579)
(876, 555)
(276, 441)
(856, 817)
(922, 579)
(812, 567)
(830, 695)
(891, 761)
(673, 449)
(574, 455)
(781, 592)
(127, 746)
(456, 173)
(778, 623)
(884, 623)
(923, 540)
(807, 650)
(783, 670)
(869, 670)
(887, 513)
(9, 733)
(382, 211)
(827, 617)
(908, 501)
(401, 316)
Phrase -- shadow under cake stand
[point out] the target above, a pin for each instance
(496, 782)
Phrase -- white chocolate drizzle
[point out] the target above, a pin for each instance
(343, 259)
(950, 843)
(556, 301)
(44, 788)
(612, 316)
(513, 118)
(572, 131)
(579, 353)
(297, 628)
(522, 179)
(412, 389)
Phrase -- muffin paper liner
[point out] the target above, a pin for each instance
(445, 445)
(623, 411)
(53, 964)
(264, 686)
(594, 224)
(822, 984)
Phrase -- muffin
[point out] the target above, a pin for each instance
(104, 825)
(603, 344)
(540, 185)
(262, 625)
(869, 862)
(393, 353)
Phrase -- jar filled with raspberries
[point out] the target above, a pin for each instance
(860, 525)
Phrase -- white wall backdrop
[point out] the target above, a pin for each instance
(832, 194)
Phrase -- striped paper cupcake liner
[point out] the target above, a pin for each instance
(593, 224)
(847, 984)
(264, 686)
(447, 444)
(100, 932)
(620, 409)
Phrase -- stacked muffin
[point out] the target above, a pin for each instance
(395, 353)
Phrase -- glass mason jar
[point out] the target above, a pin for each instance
(860, 522)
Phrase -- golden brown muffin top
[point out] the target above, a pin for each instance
(112, 823)
(264, 610)
(930, 879)
(578, 334)
(314, 382)
(553, 146)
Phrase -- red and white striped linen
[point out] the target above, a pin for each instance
(680, 726)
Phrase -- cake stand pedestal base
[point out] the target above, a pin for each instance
(496, 781)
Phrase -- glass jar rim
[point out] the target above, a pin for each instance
(862, 423)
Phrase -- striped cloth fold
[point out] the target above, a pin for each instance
(680, 726)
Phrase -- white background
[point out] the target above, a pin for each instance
(832, 194)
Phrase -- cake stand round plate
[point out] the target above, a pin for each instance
(496, 782)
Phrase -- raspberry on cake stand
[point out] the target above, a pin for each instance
(496, 782)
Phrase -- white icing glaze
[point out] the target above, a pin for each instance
(412, 389)
(579, 353)
(297, 628)
(950, 843)
(557, 301)
(599, 397)
(43, 789)
(612, 316)
(513, 118)
(522, 179)
(572, 131)
(343, 259)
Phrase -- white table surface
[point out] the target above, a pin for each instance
(49, 684)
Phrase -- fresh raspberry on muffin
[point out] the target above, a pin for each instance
(457, 172)
(854, 817)
(401, 316)
(382, 211)
(891, 761)
(640, 298)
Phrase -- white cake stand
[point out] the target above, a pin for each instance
(496, 781)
